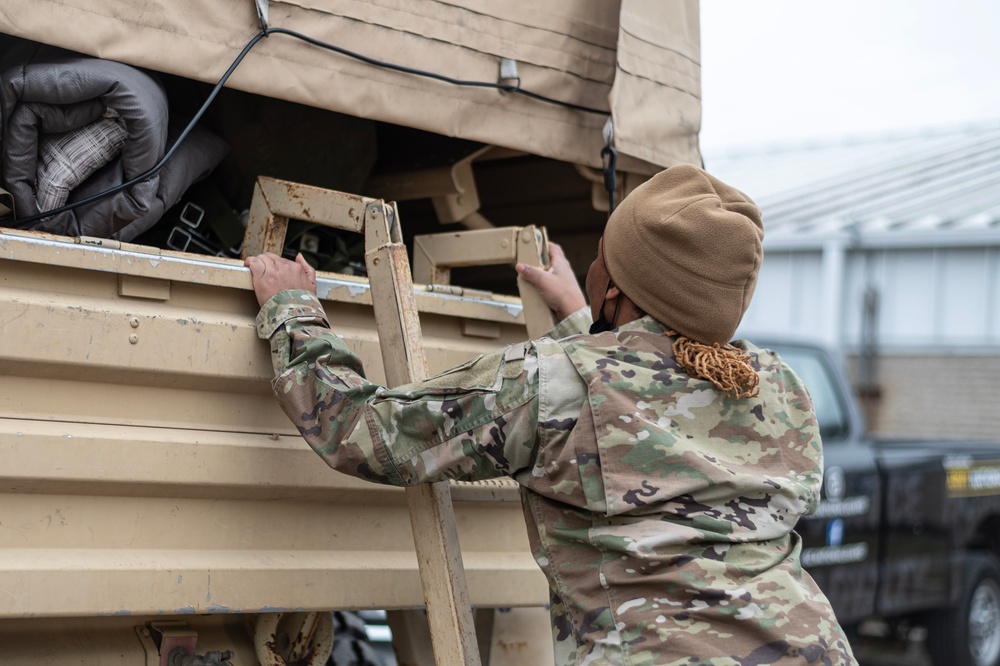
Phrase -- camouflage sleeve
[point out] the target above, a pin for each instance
(476, 421)
(575, 324)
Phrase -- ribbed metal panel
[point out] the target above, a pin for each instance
(915, 217)
(938, 186)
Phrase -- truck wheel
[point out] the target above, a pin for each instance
(968, 634)
(351, 646)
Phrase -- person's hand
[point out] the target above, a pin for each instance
(272, 274)
(557, 285)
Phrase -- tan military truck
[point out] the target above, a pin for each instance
(156, 507)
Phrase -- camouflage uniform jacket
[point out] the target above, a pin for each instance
(661, 511)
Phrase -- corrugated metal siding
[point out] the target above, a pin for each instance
(787, 299)
(946, 297)
(936, 297)
(916, 217)
(935, 185)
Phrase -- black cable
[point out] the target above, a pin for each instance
(609, 163)
(337, 49)
(505, 87)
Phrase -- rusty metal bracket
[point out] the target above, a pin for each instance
(160, 640)
(276, 201)
(434, 256)
(293, 638)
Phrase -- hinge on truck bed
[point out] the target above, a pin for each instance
(175, 644)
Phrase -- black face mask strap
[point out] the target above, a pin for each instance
(601, 324)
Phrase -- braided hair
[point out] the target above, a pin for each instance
(728, 368)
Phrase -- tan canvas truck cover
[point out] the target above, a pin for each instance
(637, 59)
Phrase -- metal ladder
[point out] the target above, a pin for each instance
(431, 511)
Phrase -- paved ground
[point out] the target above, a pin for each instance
(868, 652)
(871, 652)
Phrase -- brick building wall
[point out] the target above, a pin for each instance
(942, 396)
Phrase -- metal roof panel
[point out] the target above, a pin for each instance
(933, 183)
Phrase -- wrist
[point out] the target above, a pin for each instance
(568, 307)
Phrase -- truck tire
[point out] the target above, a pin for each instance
(351, 646)
(968, 634)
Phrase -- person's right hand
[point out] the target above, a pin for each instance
(557, 285)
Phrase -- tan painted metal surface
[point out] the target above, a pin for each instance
(147, 471)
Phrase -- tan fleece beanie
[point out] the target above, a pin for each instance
(686, 248)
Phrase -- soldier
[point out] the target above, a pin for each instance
(662, 467)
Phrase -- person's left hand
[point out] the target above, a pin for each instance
(557, 285)
(272, 274)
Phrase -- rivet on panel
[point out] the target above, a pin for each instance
(134, 322)
(134, 339)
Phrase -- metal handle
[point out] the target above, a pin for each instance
(434, 256)
(275, 201)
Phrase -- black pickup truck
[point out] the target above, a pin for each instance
(908, 531)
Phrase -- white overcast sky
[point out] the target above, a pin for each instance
(776, 71)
